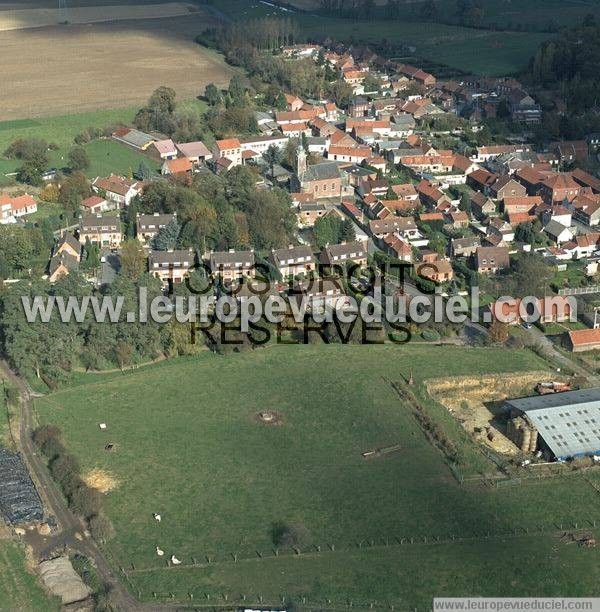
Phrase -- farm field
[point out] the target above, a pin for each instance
(189, 446)
(104, 65)
(19, 587)
(466, 49)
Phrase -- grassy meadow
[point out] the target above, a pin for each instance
(466, 49)
(189, 446)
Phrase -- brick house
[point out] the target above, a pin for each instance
(171, 266)
(104, 231)
(147, 226)
(293, 261)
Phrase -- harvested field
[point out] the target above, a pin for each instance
(38, 17)
(476, 403)
(61, 69)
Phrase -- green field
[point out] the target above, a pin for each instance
(19, 588)
(189, 447)
(470, 50)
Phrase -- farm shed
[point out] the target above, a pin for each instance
(19, 500)
(568, 423)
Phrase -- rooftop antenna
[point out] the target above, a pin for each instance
(62, 11)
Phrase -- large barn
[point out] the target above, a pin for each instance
(567, 424)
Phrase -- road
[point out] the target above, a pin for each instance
(69, 524)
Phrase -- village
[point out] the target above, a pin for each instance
(383, 166)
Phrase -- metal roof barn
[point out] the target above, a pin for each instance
(568, 422)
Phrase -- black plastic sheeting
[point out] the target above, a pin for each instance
(19, 499)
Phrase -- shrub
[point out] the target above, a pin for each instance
(296, 535)
(101, 528)
(85, 501)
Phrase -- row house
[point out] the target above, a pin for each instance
(338, 254)
(172, 266)
(105, 231)
(148, 226)
(232, 265)
(293, 261)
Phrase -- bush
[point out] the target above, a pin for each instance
(52, 448)
(101, 528)
(85, 501)
(431, 335)
(44, 433)
(297, 536)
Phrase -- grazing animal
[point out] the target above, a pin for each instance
(157, 517)
(175, 560)
(159, 552)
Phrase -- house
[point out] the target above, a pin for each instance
(464, 247)
(491, 259)
(171, 267)
(398, 248)
(96, 204)
(438, 271)
(586, 180)
(229, 149)
(293, 261)
(504, 187)
(11, 208)
(318, 294)
(322, 180)
(349, 154)
(195, 152)
(457, 218)
(555, 309)
(482, 206)
(339, 254)
(481, 180)
(404, 227)
(105, 231)
(147, 226)
(67, 243)
(581, 340)
(164, 149)
(559, 187)
(490, 152)
(259, 144)
(521, 204)
(176, 167)
(293, 103)
(309, 212)
(557, 232)
(61, 265)
(232, 265)
(117, 189)
(586, 209)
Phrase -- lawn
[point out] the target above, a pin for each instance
(19, 587)
(188, 446)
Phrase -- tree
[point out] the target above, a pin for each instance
(133, 259)
(101, 528)
(296, 535)
(78, 159)
(272, 156)
(143, 172)
(74, 188)
(167, 236)
(498, 332)
(123, 354)
(213, 95)
(91, 260)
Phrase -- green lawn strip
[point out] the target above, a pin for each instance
(406, 576)
(19, 588)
